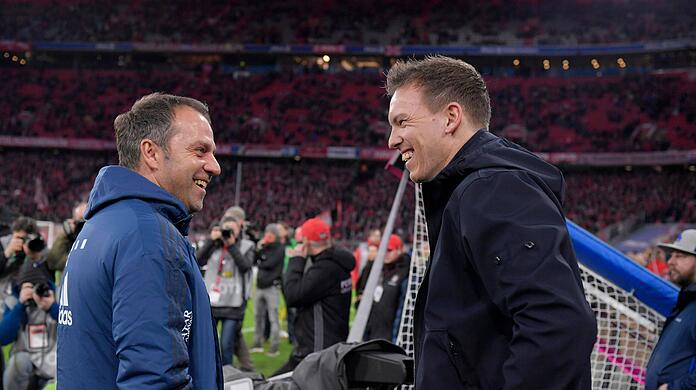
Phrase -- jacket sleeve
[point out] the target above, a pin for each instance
(148, 285)
(242, 261)
(204, 252)
(58, 254)
(514, 233)
(11, 323)
(305, 288)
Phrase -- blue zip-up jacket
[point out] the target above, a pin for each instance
(134, 311)
(673, 360)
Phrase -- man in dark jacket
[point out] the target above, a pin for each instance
(134, 310)
(501, 305)
(389, 294)
(672, 364)
(317, 282)
(269, 261)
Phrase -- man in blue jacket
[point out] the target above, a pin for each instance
(672, 364)
(501, 305)
(134, 311)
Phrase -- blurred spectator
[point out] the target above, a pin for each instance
(388, 297)
(269, 260)
(58, 254)
(364, 253)
(318, 284)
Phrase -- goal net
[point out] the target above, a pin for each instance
(627, 328)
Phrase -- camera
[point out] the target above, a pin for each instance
(226, 233)
(35, 242)
(42, 289)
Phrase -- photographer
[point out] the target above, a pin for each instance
(58, 254)
(228, 260)
(12, 254)
(30, 322)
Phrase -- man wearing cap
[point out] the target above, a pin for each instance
(317, 282)
(389, 294)
(673, 362)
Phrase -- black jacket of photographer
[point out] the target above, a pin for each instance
(209, 254)
(322, 295)
(269, 260)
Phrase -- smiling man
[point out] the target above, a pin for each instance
(672, 364)
(502, 304)
(134, 311)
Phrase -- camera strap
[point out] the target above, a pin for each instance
(220, 261)
(215, 290)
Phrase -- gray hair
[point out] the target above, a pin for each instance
(444, 80)
(236, 212)
(274, 229)
(150, 118)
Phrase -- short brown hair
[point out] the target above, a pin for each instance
(150, 118)
(443, 80)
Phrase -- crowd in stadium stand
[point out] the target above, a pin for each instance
(575, 114)
(596, 200)
(358, 194)
(356, 22)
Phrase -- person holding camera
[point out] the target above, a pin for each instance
(30, 322)
(58, 254)
(12, 254)
(228, 259)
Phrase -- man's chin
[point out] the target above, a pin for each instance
(195, 207)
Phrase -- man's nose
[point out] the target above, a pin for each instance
(394, 139)
(212, 166)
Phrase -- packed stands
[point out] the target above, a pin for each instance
(430, 22)
(574, 114)
(358, 194)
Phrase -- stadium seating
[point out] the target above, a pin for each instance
(545, 114)
(359, 194)
(362, 22)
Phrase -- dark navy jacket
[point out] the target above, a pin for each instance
(134, 311)
(502, 304)
(673, 360)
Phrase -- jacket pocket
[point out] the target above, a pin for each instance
(451, 363)
(464, 372)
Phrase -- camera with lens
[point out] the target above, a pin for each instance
(35, 242)
(226, 233)
(42, 289)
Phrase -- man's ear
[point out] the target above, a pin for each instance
(454, 116)
(151, 154)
